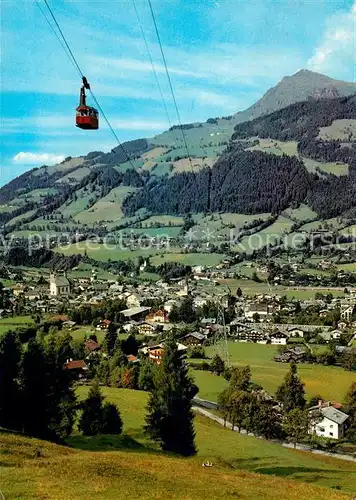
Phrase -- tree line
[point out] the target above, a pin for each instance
(37, 395)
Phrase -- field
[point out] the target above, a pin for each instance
(275, 147)
(104, 253)
(189, 259)
(330, 382)
(164, 220)
(108, 208)
(343, 130)
(12, 323)
(329, 168)
(267, 236)
(301, 213)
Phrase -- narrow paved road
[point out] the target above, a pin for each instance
(301, 447)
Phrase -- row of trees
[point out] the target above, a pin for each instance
(37, 395)
(246, 407)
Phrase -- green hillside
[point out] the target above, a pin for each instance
(110, 467)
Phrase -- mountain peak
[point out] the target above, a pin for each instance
(300, 86)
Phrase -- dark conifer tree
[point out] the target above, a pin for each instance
(169, 419)
(10, 357)
(112, 422)
(217, 365)
(291, 392)
(110, 339)
(91, 419)
(35, 411)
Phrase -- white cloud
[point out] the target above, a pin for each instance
(27, 158)
(336, 53)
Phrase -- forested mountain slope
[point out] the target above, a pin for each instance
(272, 162)
(248, 180)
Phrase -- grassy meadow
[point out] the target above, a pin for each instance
(331, 382)
(111, 466)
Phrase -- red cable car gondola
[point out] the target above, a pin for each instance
(87, 117)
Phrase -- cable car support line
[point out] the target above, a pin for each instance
(170, 83)
(153, 67)
(70, 55)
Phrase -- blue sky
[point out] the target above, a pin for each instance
(223, 55)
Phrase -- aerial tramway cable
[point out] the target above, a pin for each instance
(72, 58)
(170, 83)
(153, 67)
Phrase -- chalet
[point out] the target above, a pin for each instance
(156, 353)
(278, 337)
(18, 289)
(77, 367)
(295, 354)
(332, 423)
(59, 285)
(159, 316)
(193, 338)
(91, 345)
(263, 309)
(296, 332)
(145, 328)
(252, 335)
(103, 324)
(323, 313)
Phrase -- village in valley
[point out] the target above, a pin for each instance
(216, 326)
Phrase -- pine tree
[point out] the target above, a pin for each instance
(111, 419)
(296, 425)
(91, 419)
(61, 396)
(267, 420)
(169, 419)
(291, 393)
(240, 378)
(35, 391)
(110, 339)
(350, 405)
(217, 365)
(146, 375)
(10, 357)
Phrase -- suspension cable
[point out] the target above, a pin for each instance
(170, 83)
(153, 67)
(72, 58)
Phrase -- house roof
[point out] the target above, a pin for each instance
(197, 335)
(337, 416)
(60, 281)
(133, 311)
(91, 345)
(75, 365)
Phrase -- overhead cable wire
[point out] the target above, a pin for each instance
(55, 33)
(153, 67)
(72, 58)
(170, 82)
